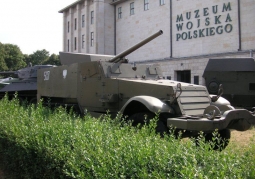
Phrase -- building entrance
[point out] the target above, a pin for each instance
(183, 76)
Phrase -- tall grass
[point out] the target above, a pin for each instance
(36, 142)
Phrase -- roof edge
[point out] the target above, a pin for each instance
(115, 2)
(69, 6)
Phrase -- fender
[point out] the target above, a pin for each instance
(221, 101)
(153, 104)
(222, 104)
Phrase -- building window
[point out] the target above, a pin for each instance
(146, 5)
(119, 13)
(161, 2)
(68, 25)
(196, 80)
(68, 45)
(92, 17)
(83, 41)
(75, 43)
(92, 39)
(75, 23)
(132, 8)
(252, 86)
(83, 20)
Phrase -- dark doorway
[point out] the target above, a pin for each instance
(196, 80)
(183, 76)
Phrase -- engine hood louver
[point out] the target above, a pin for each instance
(193, 101)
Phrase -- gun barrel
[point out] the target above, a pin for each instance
(130, 50)
(8, 73)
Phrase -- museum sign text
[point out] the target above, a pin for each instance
(199, 24)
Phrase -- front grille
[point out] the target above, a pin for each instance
(193, 101)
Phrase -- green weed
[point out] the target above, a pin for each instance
(36, 142)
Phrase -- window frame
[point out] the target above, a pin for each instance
(162, 2)
(92, 39)
(68, 45)
(146, 5)
(75, 43)
(132, 8)
(75, 23)
(119, 12)
(83, 20)
(68, 26)
(92, 17)
(83, 41)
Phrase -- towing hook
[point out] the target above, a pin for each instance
(211, 115)
(211, 112)
(220, 92)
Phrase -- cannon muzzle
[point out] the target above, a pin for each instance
(121, 56)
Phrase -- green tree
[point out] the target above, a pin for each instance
(52, 60)
(27, 59)
(12, 56)
(38, 57)
(3, 66)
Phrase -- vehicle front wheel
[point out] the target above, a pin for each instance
(140, 119)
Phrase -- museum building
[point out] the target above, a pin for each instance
(194, 31)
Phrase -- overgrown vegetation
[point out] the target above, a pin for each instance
(36, 142)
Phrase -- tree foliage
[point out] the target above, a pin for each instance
(11, 57)
(42, 57)
(3, 66)
(52, 60)
(38, 57)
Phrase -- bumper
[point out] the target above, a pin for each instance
(238, 119)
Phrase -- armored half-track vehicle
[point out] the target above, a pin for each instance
(103, 84)
(24, 83)
(237, 75)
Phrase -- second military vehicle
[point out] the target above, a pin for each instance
(237, 75)
(24, 83)
(100, 84)
(7, 81)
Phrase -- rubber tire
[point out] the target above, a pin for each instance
(33, 101)
(161, 128)
(139, 118)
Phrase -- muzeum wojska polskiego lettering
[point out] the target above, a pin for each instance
(202, 19)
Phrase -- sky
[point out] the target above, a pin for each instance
(33, 24)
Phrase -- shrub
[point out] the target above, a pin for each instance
(36, 142)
